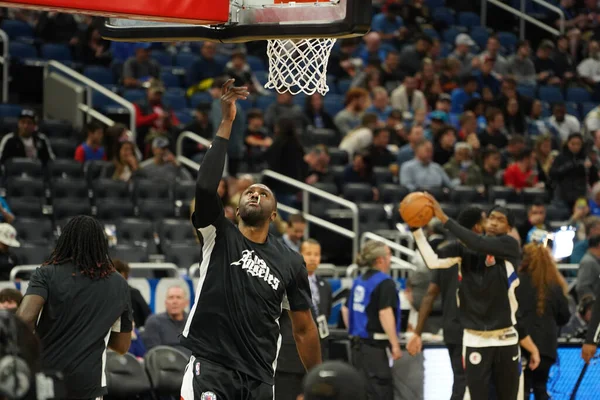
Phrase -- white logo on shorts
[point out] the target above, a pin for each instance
(197, 369)
(475, 358)
(208, 396)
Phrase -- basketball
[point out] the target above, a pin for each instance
(416, 210)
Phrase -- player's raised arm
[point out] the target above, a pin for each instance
(208, 205)
(431, 259)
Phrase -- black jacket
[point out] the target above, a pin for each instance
(289, 360)
(570, 177)
(141, 310)
(12, 146)
(543, 329)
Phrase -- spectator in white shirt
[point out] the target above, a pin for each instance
(492, 50)
(408, 98)
(589, 69)
(565, 124)
(360, 138)
(592, 120)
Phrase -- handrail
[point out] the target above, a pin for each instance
(95, 114)
(179, 149)
(90, 84)
(523, 16)
(5, 61)
(306, 189)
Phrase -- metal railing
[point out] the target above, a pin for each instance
(524, 17)
(307, 190)
(91, 86)
(5, 61)
(179, 149)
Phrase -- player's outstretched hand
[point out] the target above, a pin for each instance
(437, 209)
(229, 94)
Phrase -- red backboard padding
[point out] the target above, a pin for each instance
(203, 12)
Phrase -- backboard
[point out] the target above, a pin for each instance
(254, 20)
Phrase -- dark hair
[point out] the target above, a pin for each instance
(594, 241)
(93, 126)
(516, 139)
(286, 128)
(511, 81)
(492, 113)
(522, 43)
(84, 244)
(9, 294)
(378, 131)
(523, 154)
(470, 216)
(296, 219)
(536, 203)
(510, 216)
(468, 79)
(254, 113)
(489, 150)
(396, 114)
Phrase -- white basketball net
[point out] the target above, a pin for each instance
(299, 66)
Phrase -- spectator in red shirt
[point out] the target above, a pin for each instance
(520, 174)
(92, 149)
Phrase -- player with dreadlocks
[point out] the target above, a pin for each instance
(78, 305)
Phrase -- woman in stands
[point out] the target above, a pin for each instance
(543, 307)
(125, 162)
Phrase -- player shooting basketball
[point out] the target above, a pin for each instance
(233, 329)
(487, 302)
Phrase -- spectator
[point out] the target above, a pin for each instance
(544, 157)
(360, 170)
(538, 125)
(389, 24)
(516, 144)
(462, 53)
(543, 307)
(27, 142)
(514, 118)
(93, 49)
(6, 214)
(492, 51)
(141, 68)
(490, 166)
(536, 221)
(360, 138)
(462, 96)
(92, 149)
(381, 104)
(520, 174)
(125, 162)
(391, 75)
(407, 98)
(164, 329)
(257, 138)
(201, 125)
(114, 136)
(10, 299)
(508, 90)
(141, 310)
(544, 65)
(592, 228)
(589, 69)
(343, 64)
(444, 145)
(565, 124)
(372, 48)
(318, 160)
(592, 123)
(473, 141)
(356, 102)
(412, 57)
(237, 68)
(316, 114)
(426, 76)
(284, 107)
(487, 78)
(461, 167)
(422, 172)
(296, 227)
(520, 66)
(449, 78)
(494, 132)
(578, 324)
(163, 165)
(563, 60)
(8, 239)
(407, 152)
(206, 67)
(378, 150)
(153, 118)
(588, 274)
(571, 172)
(468, 125)
(55, 27)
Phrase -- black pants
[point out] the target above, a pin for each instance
(206, 380)
(373, 363)
(288, 385)
(537, 380)
(498, 364)
(458, 369)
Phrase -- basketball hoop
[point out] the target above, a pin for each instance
(299, 65)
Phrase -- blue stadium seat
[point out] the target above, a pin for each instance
(527, 90)
(185, 60)
(222, 59)
(444, 14)
(468, 19)
(184, 116)
(134, 95)
(573, 109)
(101, 75)
(587, 107)
(200, 98)
(546, 109)
(480, 35)
(58, 52)
(450, 35)
(344, 85)
(163, 58)
(262, 76)
(10, 110)
(445, 50)
(333, 104)
(432, 33)
(508, 40)
(256, 63)
(101, 101)
(578, 95)
(175, 98)
(299, 99)
(17, 29)
(22, 50)
(263, 102)
(170, 79)
(550, 94)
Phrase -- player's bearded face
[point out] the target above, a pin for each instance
(255, 208)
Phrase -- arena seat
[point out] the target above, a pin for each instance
(182, 254)
(372, 217)
(392, 193)
(70, 208)
(137, 232)
(314, 136)
(66, 169)
(24, 167)
(109, 189)
(29, 207)
(503, 193)
(383, 175)
(156, 209)
(184, 191)
(111, 209)
(466, 195)
(93, 169)
(129, 253)
(24, 187)
(70, 189)
(532, 195)
(337, 156)
(125, 376)
(146, 189)
(34, 231)
(450, 209)
(172, 230)
(54, 128)
(358, 192)
(519, 211)
(164, 58)
(165, 367)
(31, 254)
(63, 147)
(163, 286)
